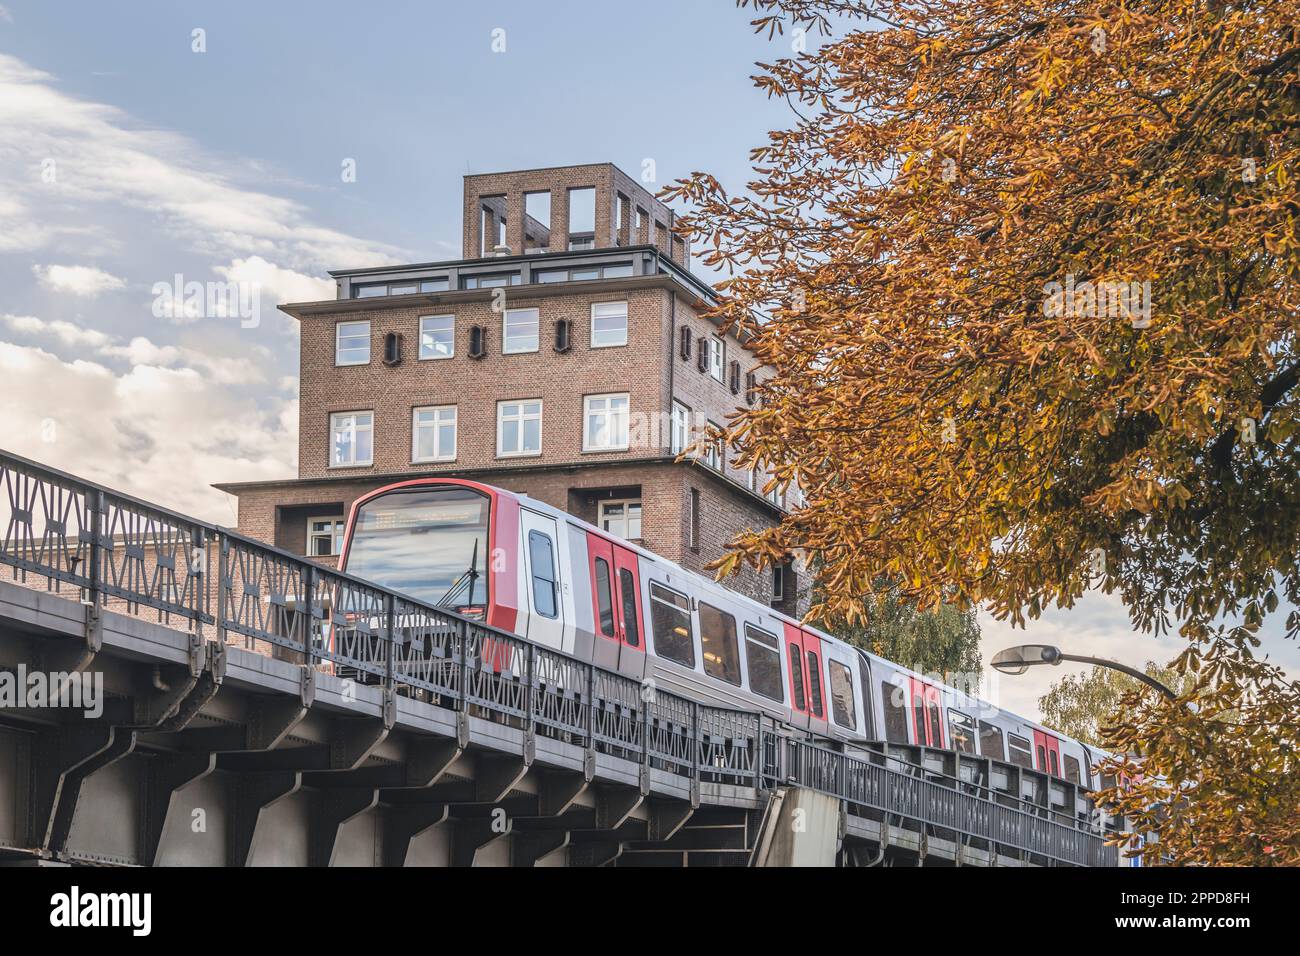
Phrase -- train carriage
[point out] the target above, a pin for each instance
(537, 572)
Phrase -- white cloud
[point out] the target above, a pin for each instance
(140, 351)
(277, 285)
(5, 15)
(62, 153)
(85, 281)
(164, 434)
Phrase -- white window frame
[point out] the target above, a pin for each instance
(520, 418)
(717, 358)
(624, 316)
(370, 427)
(712, 448)
(439, 454)
(680, 435)
(505, 337)
(338, 523)
(435, 356)
(338, 337)
(627, 505)
(610, 416)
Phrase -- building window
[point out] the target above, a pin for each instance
(493, 280)
(352, 343)
(608, 324)
(351, 439)
(763, 654)
(681, 435)
(519, 428)
(621, 518)
(519, 331)
(325, 537)
(778, 583)
(582, 217)
(606, 422)
(717, 357)
(537, 222)
(713, 448)
(774, 494)
(433, 433)
(437, 336)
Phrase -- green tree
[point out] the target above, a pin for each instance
(1081, 704)
(943, 640)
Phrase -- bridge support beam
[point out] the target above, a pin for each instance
(255, 793)
(331, 810)
(402, 824)
(62, 759)
(168, 774)
(531, 847)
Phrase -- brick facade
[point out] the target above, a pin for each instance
(649, 369)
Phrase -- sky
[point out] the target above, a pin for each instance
(152, 142)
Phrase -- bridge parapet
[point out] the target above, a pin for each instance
(114, 553)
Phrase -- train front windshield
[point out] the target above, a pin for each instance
(430, 543)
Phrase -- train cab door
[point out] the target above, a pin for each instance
(1047, 752)
(807, 678)
(616, 607)
(543, 580)
(631, 621)
(927, 714)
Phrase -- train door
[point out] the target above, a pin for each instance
(1048, 751)
(631, 622)
(807, 679)
(542, 579)
(927, 714)
(616, 606)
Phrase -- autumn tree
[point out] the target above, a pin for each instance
(1081, 704)
(1025, 274)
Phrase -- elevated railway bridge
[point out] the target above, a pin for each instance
(258, 709)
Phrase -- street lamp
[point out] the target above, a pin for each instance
(1015, 660)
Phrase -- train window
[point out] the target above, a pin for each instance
(604, 600)
(718, 644)
(1056, 766)
(918, 719)
(670, 622)
(796, 678)
(961, 729)
(541, 555)
(1018, 751)
(843, 707)
(894, 702)
(815, 685)
(627, 586)
(763, 654)
(991, 741)
(936, 728)
(1042, 757)
(1072, 770)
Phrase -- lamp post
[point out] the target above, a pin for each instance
(1016, 660)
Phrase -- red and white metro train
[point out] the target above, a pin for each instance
(537, 572)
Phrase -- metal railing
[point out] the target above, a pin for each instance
(123, 553)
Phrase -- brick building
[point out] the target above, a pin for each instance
(563, 357)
